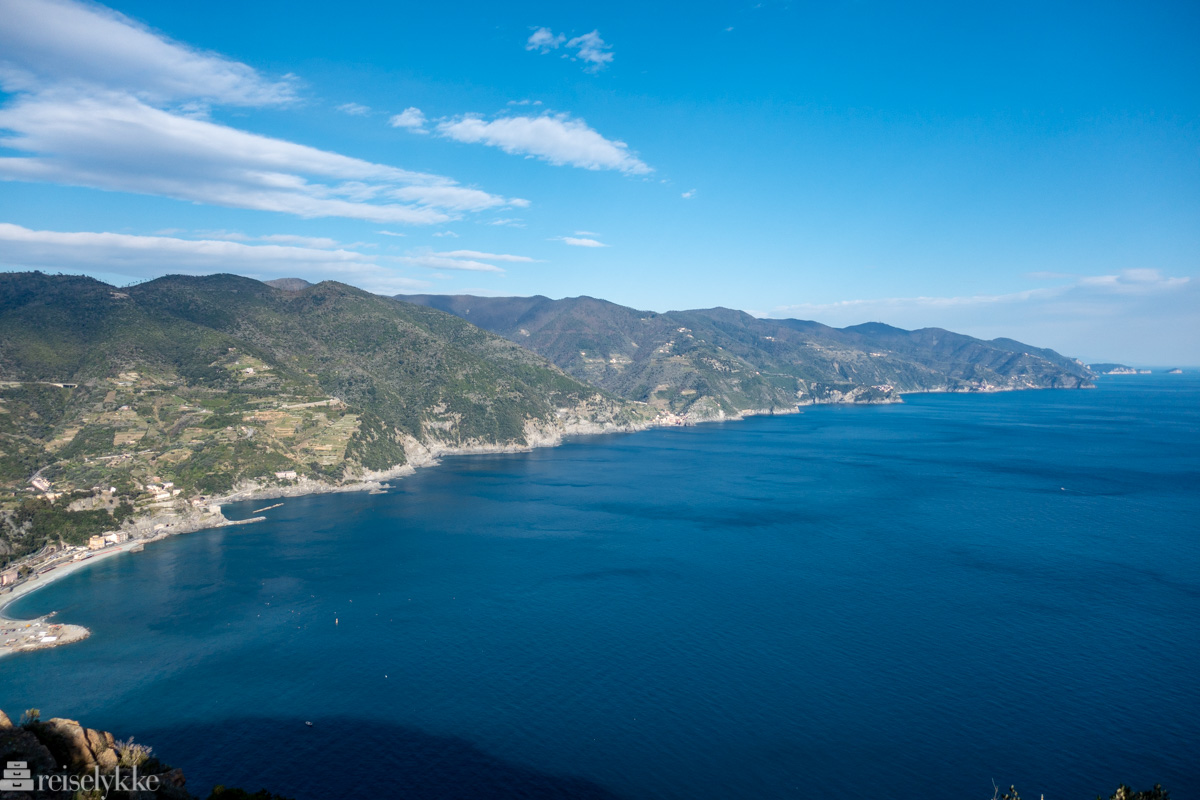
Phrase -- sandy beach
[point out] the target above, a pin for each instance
(11, 596)
(21, 635)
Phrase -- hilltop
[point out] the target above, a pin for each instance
(147, 398)
(714, 362)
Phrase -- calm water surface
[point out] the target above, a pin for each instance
(903, 601)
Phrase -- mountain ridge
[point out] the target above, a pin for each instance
(716, 362)
(154, 398)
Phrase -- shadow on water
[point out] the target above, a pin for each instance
(350, 757)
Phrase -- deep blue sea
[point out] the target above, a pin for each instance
(891, 601)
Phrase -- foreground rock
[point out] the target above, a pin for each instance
(59, 758)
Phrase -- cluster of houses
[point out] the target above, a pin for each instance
(160, 489)
(101, 542)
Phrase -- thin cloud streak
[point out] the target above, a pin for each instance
(1097, 317)
(103, 102)
(118, 143)
(487, 256)
(144, 256)
(46, 43)
(436, 261)
(575, 241)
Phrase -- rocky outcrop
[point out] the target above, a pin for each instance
(63, 759)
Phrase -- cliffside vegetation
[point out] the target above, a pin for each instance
(718, 360)
(113, 399)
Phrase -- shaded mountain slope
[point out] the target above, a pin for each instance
(718, 361)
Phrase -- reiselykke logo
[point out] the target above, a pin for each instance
(18, 777)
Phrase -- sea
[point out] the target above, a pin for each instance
(930, 599)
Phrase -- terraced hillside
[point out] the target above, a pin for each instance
(183, 388)
(710, 362)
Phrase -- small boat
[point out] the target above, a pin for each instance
(309, 724)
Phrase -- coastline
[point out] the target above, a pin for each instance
(419, 455)
(168, 524)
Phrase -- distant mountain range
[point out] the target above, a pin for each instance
(719, 362)
(118, 403)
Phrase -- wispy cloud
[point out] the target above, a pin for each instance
(144, 257)
(101, 101)
(316, 242)
(423, 257)
(544, 40)
(354, 109)
(589, 47)
(118, 143)
(689, 194)
(486, 256)
(592, 49)
(446, 234)
(411, 119)
(1133, 282)
(1091, 316)
(509, 222)
(391, 233)
(48, 43)
(556, 138)
(578, 242)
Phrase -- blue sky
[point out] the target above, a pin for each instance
(1022, 169)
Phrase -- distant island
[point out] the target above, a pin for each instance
(132, 413)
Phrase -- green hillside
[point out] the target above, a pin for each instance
(713, 361)
(204, 383)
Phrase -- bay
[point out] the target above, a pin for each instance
(909, 600)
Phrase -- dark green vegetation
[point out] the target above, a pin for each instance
(716, 360)
(183, 387)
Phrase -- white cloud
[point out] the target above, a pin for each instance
(411, 118)
(445, 234)
(586, 233)
(487, 256)
(354, 109)
(317, 242)
(101, 101)
(589, 47)
(544, 40)
(55, 42)
(577, 242)
(116, 142)
(152, 256)
(457, 198)
(391, 233)
(592, 49)
(510, 222)
(556, 138)
(689, 194)
(430, 260)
